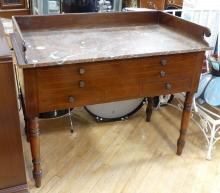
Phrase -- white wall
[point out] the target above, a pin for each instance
(201, 4)
(203, 16)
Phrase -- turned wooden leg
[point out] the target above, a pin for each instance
(184, 122)
(149, 108)
(34, 133)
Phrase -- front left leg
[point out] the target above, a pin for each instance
(184, 122)
(34, 134)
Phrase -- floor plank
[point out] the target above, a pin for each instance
(123, 157)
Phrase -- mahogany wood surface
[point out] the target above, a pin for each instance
(114, 80)
(17, 5)
(12, 170)
(7, 10)
(5, 13)
(85, 20)
(185, 27)
(53, 87)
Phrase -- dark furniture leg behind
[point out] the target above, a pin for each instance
(26, 129)
(149, 108)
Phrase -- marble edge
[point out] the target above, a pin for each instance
(90, 60)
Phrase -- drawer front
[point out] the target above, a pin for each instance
(92, 83)
(165, 87)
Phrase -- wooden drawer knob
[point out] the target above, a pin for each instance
(71, 99)
(82, 71)
(171, 2)
(82, 84)
(163, 62)
(162, 74)
(168, 86)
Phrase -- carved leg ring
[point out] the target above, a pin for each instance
(35, 150)
(149, 108)
(184, 122)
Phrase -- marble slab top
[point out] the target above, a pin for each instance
(68, 46)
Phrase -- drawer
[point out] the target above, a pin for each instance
(67, 95)
(165, 87)
(99, 82)
(113, 71)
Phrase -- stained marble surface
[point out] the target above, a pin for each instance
(68, 46)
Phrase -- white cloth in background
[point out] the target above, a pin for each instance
(201, 4)
(7, 24)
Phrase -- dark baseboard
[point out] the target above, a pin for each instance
(23, 188)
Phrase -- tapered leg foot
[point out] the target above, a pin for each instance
(184, 122)
(34, 134)
(180, 144)
(149, 109)
(37, 177)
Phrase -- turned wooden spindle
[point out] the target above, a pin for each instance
(184, 122)
(34, 134)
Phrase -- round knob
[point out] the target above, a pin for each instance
(163, 62)
(82, 84)
(171, 1)
(82, 71)
(168, 86)
(71, 99)
(162, 74)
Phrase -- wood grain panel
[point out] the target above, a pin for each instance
(159, 88)
(12, 169)
(110, 81)
(87, 20)
(12, 172)
(30, 92)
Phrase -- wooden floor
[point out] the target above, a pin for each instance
(123, 157)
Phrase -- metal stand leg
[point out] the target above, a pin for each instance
(209, 123)
(210, 145)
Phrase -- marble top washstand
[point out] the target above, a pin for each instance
(80, 38)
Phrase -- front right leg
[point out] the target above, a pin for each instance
(34, 134)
